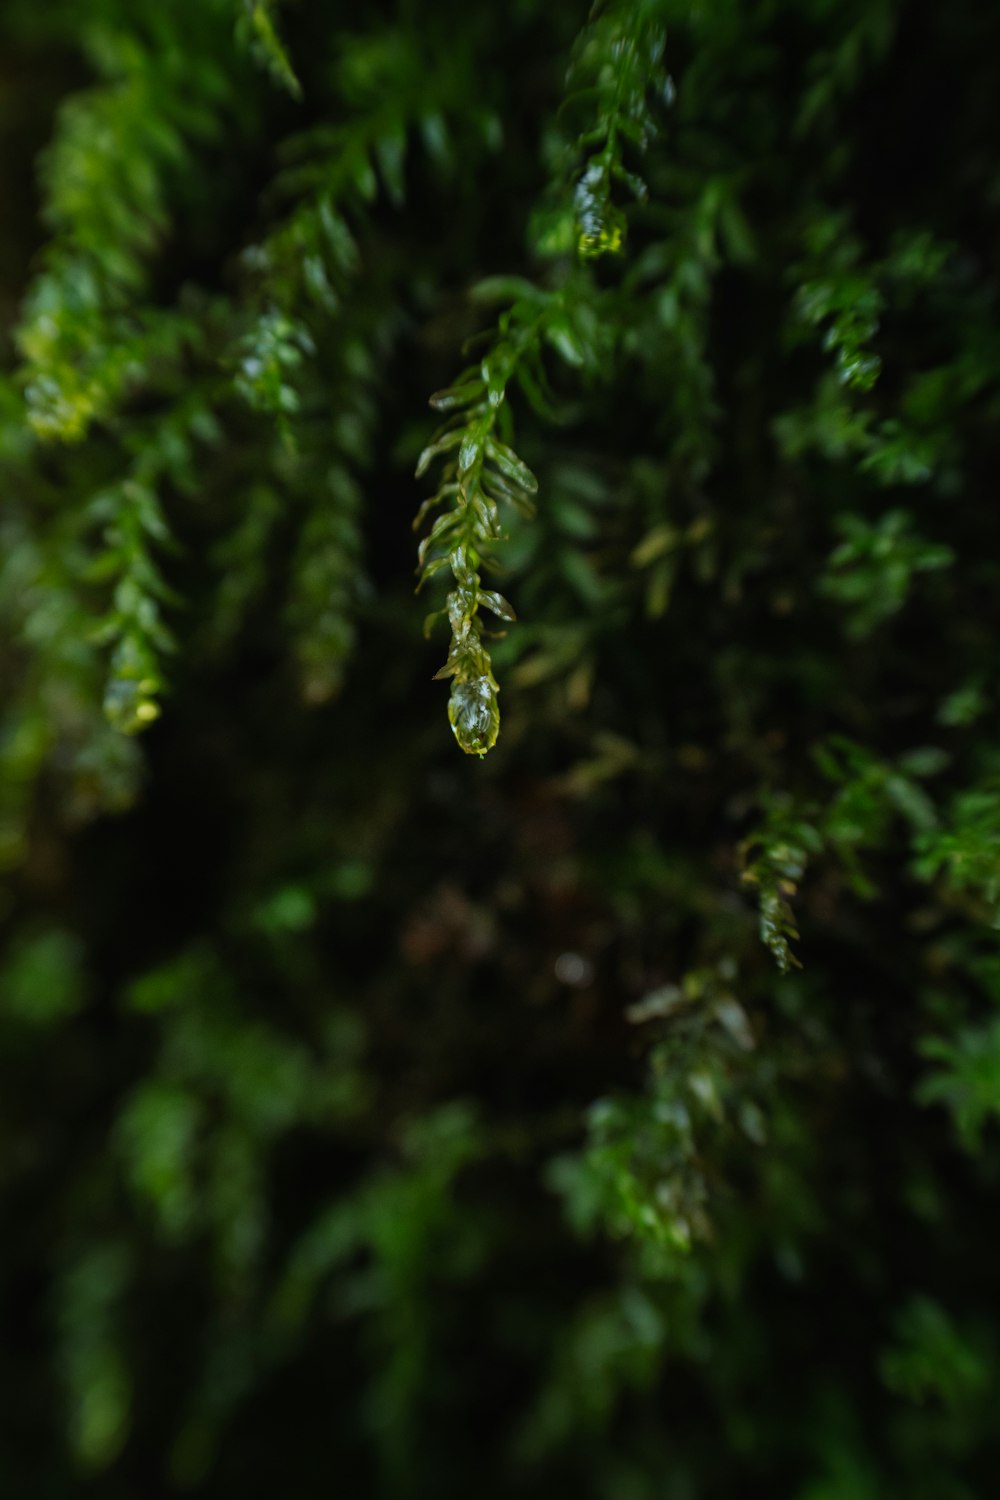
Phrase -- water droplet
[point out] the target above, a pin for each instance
(474, 714)
(600, 225)
(129, 704)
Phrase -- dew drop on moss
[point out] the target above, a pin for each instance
(474, 714)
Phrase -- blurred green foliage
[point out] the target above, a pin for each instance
(615, 1115)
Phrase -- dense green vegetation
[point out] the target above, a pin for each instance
(611, 1110)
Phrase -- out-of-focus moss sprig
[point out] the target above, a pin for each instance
(96, 331)
(257, 29)
(90, 333)
(838, 294)
(641, 1173)
(617, 76)
(131, 518)
(52, 684)
(328, 580)
(871, 796)
(962, 852)
(842, 294)
(305, 267)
